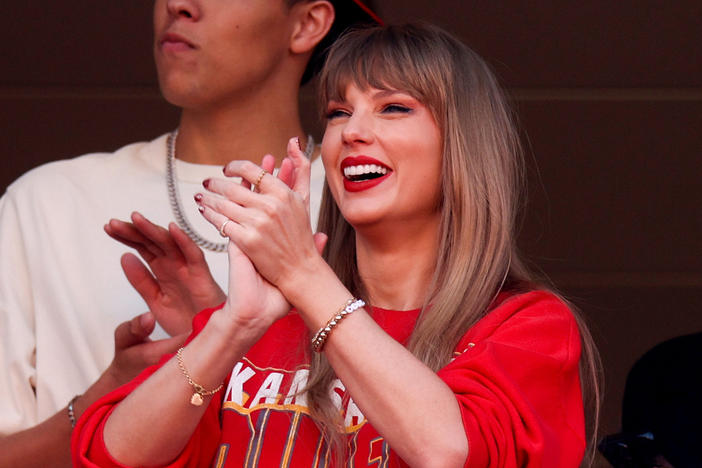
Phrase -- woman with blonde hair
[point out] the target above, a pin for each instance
(418, 339)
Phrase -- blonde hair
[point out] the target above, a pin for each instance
(481, 177)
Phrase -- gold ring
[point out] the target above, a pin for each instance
(258, 181)
(221, 229)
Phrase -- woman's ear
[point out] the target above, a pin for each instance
(313, 21)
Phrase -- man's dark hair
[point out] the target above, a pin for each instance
(347, 14)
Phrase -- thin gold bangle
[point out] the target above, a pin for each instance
(197, 398)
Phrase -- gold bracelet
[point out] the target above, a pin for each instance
(196, 399)
(320, 338)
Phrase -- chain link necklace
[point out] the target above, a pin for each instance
(174, 194)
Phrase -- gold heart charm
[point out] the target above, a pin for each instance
(196, 399)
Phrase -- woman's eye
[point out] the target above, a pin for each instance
(394, 108)
(335, 113)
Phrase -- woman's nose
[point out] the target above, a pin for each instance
(358, 129)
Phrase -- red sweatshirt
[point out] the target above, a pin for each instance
(515, 376)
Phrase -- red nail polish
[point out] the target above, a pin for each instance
(224, 170)
(201, 208)
(198, 197)
(205, 183)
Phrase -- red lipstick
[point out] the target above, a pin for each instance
(364, 184)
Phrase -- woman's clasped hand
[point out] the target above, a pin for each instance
(269, 229)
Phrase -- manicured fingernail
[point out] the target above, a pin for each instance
(224, 170)
(198, 197)
(200, 208)
(206, 183)
(299, 146)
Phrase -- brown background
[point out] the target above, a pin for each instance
(609, 95)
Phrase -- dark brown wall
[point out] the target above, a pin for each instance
(609, 95)
(77, 77)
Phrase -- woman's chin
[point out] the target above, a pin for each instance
(361, 219)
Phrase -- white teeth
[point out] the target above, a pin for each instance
(364, 169)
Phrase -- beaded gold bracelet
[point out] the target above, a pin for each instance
(196, 399)
(320, 338)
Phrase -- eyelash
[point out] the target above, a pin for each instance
(397, 108)
(336, 113)
(389, 108)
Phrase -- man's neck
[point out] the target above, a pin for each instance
(248, 130)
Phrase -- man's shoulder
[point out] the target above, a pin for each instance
(92, 165)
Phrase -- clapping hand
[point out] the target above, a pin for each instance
(256, 222)
(134, 351)
(177, 283)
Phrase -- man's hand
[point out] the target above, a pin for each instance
(177, 283)
(134, 351)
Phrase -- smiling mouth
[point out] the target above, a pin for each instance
(363, 172)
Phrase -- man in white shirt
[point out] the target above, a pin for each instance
(234, 68)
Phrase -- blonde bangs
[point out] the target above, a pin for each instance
(393, 59)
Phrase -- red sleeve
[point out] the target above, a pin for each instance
(517, 383)
(87, 444)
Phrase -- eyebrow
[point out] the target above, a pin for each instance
(379, 94)
(387, 92)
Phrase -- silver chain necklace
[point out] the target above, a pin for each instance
(174, 194)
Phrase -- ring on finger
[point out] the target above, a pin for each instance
(258, 181)
(221, 229)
